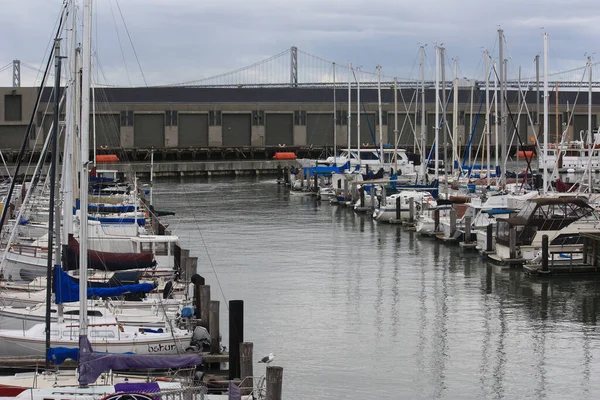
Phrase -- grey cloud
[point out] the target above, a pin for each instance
(187, 40)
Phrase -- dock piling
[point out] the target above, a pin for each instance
(512, 243)
(467, 238)
(205, 306)
(489, 238)
(214, 326)
(236, 336)
(436, 219)
(274, 382)
(398, 211)
(411, 209)
(452, 222)
(246, 366)
(545, 269)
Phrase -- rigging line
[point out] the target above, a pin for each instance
(120, 44)
(225, 74)
(131, 42)
(212, 265)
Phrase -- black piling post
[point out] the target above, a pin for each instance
(545, 254)
(489, 232)
(398, 213)
(236, 336)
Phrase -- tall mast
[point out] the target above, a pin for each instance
(395, 124)
(382, 159)
(443, 127)
(545, 148)
(436, 142)
(349, 108)
(496, 118)
(591, 139)
(487, 111)
(85, 155)
(52, 224)
(334, 118)
(502, 105)
(358, 113)
(455, 116)
(423, 127)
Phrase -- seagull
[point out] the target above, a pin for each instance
(267, 359)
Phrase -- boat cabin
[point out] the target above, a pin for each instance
(541, 214)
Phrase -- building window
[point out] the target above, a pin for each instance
(12, 107)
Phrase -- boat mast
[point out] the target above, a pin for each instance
(381, 158)
(496, 118)
(545, 148)
(51, 222)
(349, 108)
(502, 105)
(487, 111)
(455, 115)
(334, 118)
(445, 122)
(591, 139)
(85, 155)
(396, 125)
(423, 128)
(437, 110)
(358, 114)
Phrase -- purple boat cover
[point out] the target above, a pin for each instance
(135, 387)
(234, 392)
(92, 365)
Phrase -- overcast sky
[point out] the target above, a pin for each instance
(189, 40)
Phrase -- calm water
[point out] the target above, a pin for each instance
(357, 310)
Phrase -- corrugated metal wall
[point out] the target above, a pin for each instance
(237, 129)
(279, 129)
(365, 131)
(551, 127)
(580, 123)
(319, 129)
(11, 136)
(431, 128)
(149, 130)
(193, 130)
(108, 131)
(470, 121)
(406, 126)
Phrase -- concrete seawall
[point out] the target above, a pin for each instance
(186, 168)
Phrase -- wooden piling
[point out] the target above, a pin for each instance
(236, 336)
(383, 196)
(512, 243)
(398, 209)
(362, 197)
(545, 254)
(489, 238)
(354, 191)
(274, 382)
(411, 210)
(205, 306)
(467, 238)
(246, 366)
(301, 177)
(452, 222)
(346, 190)
(197, 301)
(436, 220)
(214, 330)
(372, 198)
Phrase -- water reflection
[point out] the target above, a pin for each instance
(422, 316)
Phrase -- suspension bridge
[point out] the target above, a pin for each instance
(297, 68)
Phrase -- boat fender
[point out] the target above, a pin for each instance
(418, 207)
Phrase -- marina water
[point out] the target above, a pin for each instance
(358, 310)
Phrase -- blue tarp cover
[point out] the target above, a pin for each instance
(68, 291)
